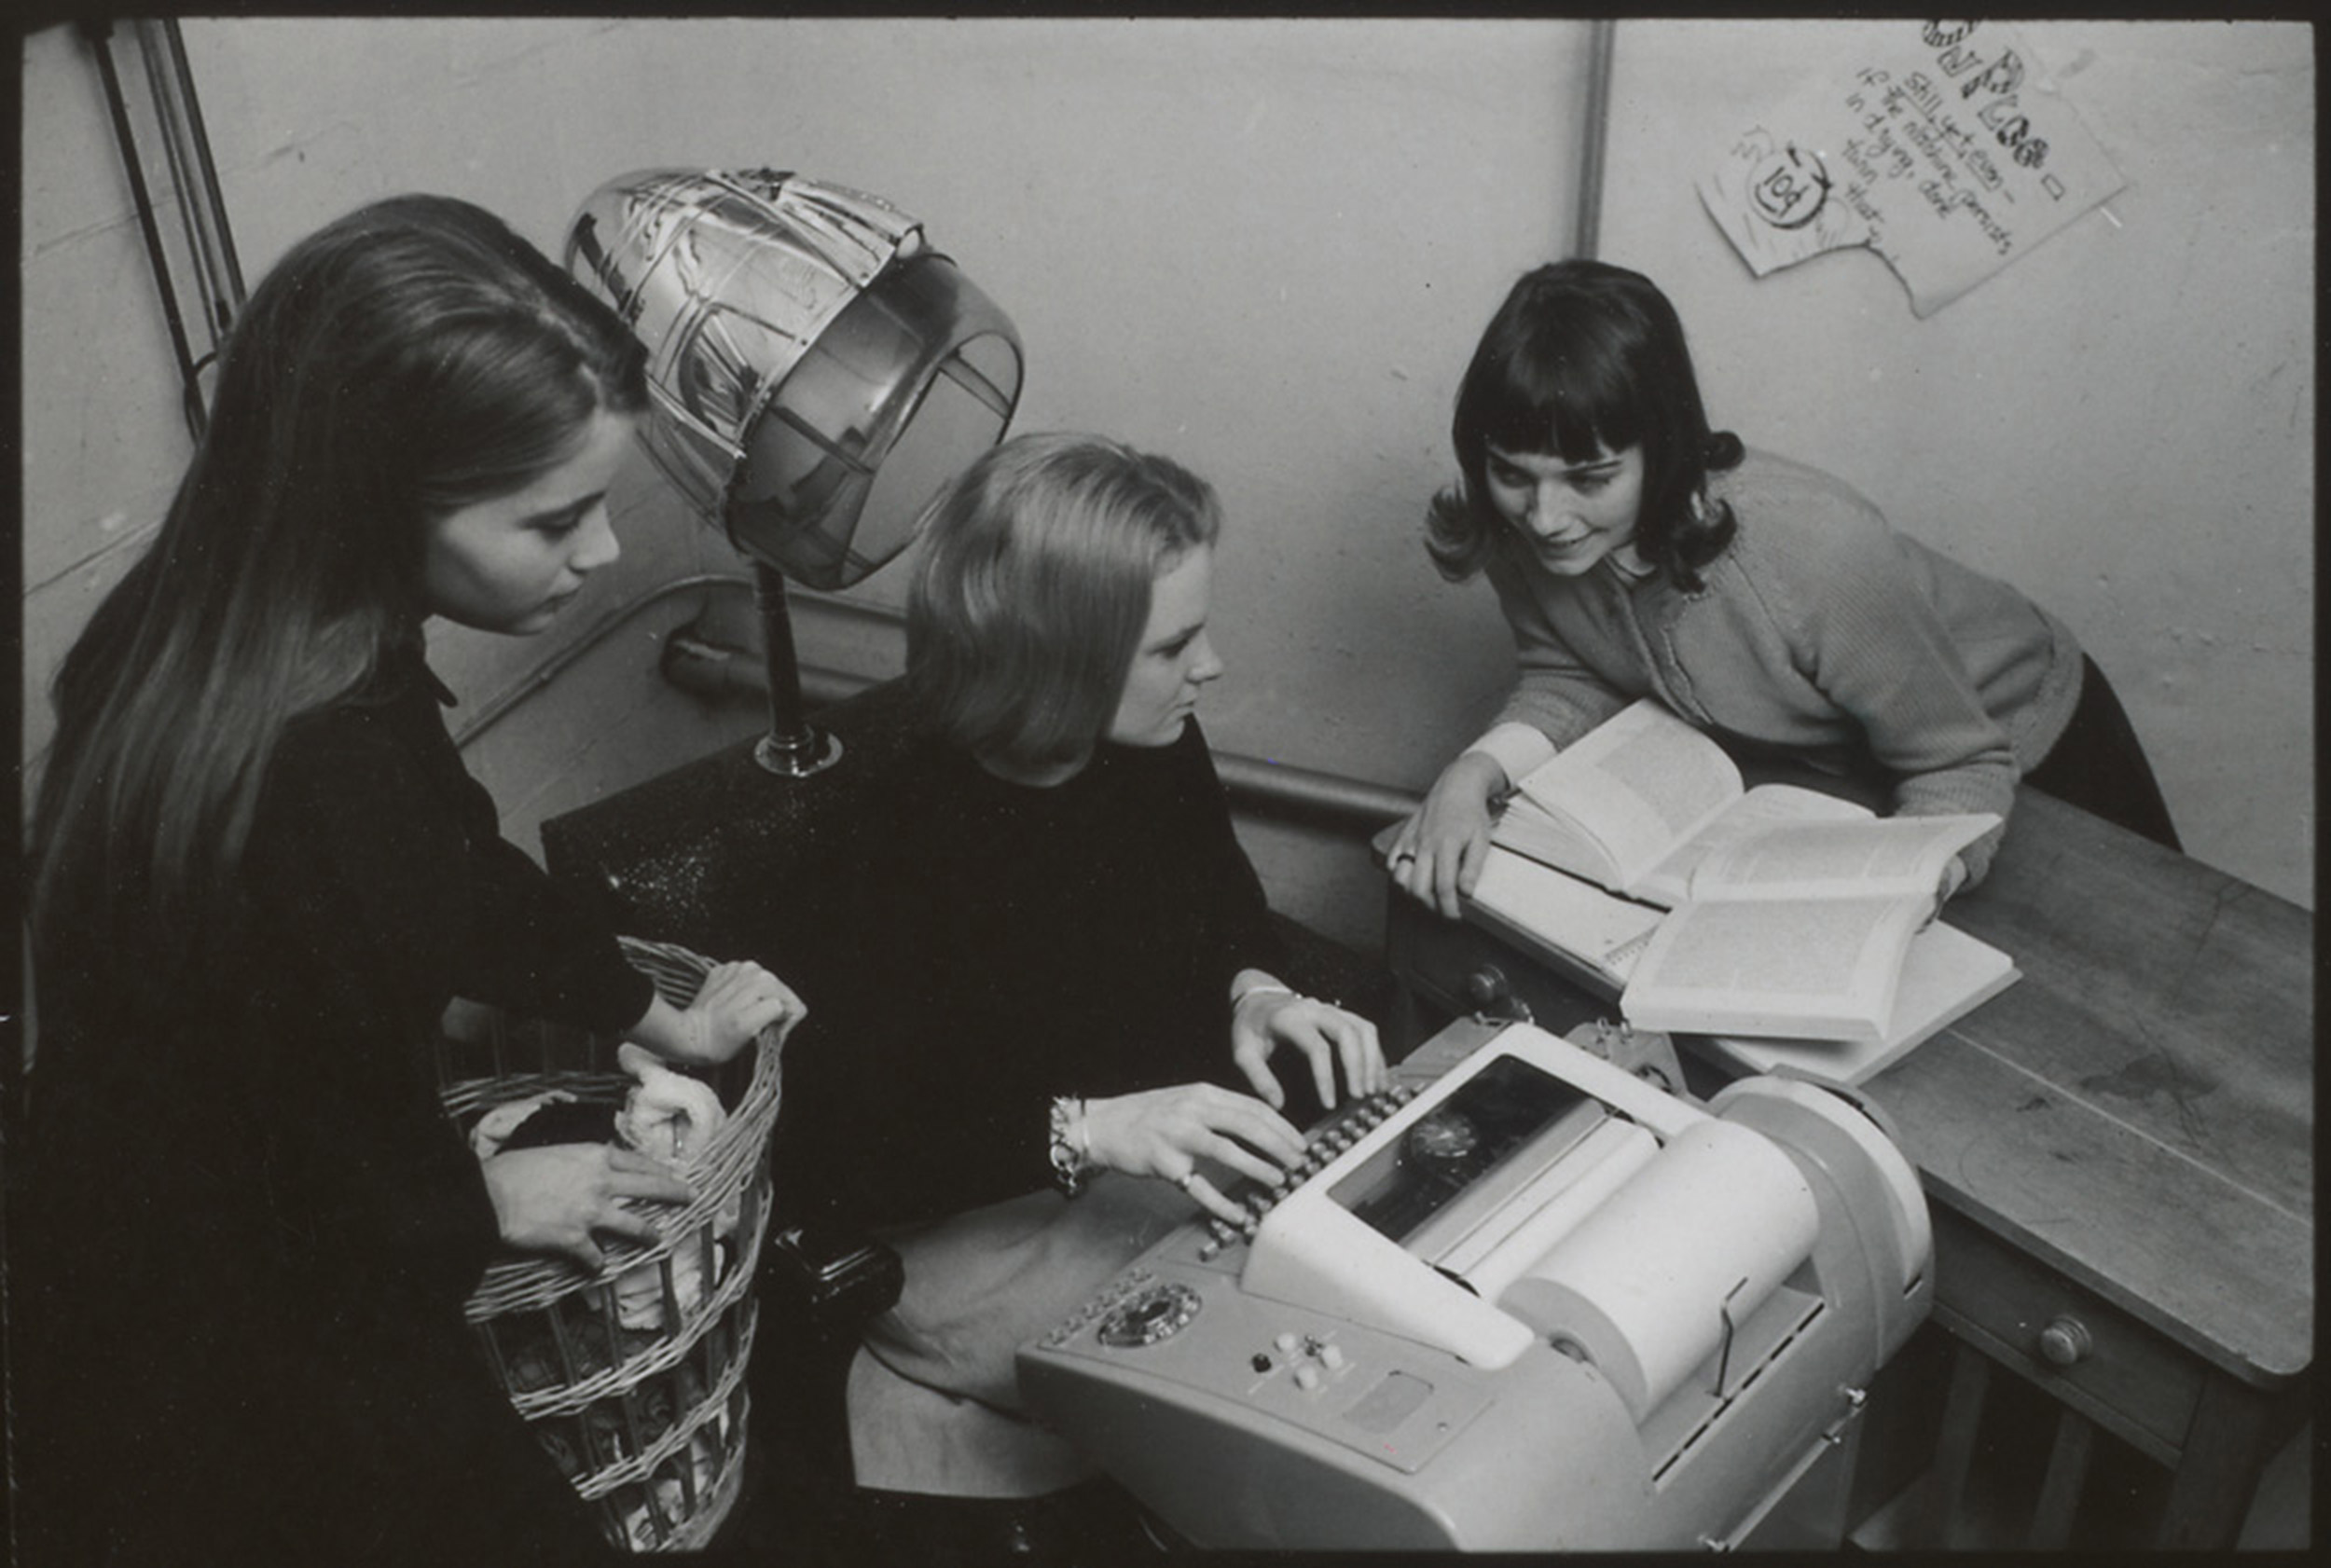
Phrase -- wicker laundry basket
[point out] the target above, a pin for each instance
(634, 1378)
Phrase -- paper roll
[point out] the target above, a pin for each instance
(1641, 1288)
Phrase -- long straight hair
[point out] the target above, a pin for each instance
(1584, 356)
(1034, 586)
(410, 359)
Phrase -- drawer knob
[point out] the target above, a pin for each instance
(1487, 988)
(2065, 1343)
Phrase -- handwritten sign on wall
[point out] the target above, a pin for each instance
(1941, 152)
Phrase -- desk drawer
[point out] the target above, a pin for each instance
(1463, 969)
(2085, 1351)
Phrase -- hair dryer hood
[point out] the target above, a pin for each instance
(816, 370)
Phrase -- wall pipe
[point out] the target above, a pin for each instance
(202, 204)
(707, 668)
(99, 36)
(1587, 221)
(497, 707)
(216, 276)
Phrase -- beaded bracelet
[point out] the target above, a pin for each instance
(1070, 1162)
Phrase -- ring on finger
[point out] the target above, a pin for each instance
(1184, 1179)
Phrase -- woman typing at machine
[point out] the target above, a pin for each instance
(1071, 1022)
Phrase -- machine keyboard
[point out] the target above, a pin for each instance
(1338, 1131)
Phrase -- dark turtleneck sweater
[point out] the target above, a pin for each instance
(243, 1228)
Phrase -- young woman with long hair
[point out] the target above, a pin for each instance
(243, 1228)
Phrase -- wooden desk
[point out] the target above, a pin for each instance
(2118, 1153)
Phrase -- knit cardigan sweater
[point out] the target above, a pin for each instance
(1821, 631)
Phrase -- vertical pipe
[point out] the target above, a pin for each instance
(210, 248)
(219, 233)
(1587, 222)
(160, 84)
(100, 35)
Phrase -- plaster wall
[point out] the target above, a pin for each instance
(1264, 247)
(2120, 422)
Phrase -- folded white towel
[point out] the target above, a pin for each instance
(494, 1128)
(669, 1115)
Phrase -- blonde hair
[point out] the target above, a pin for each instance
(1032, 591)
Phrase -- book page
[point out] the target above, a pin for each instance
(1639, 782)
(1946, 975)
(1824, 969)
(1604, 932)
(1666, 883)
(1528, 829)
(1902, 856)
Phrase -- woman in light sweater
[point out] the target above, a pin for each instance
(1635, 552)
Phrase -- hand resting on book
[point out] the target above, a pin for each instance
(1437, 855)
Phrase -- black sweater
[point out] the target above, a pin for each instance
(998, 944)
(247, 1227)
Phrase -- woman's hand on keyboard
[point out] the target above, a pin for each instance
(1270, 1016)
(1165, 1132)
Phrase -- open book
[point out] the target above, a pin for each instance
(1593, 935)
(1598, 939)
(1642, 798)
(1798, 920)
(1946, 975)
(1803, 929)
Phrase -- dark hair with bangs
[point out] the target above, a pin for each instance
(1033, 589)
(411, 358)
(1583, 355)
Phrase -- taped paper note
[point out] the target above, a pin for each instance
(1943, 153)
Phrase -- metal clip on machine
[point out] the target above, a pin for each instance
(1525, 1301)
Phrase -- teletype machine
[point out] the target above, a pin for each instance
(1524, 1299)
